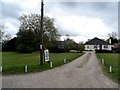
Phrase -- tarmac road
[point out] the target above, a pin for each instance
(84, 72)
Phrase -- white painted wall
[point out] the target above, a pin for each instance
(109, 47)
(91, 47)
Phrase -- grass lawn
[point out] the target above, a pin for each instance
(13, 63)
(111, 59)
(0, 58)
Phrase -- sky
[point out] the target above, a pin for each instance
(80, 20)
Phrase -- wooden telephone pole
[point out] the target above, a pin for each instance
(41, 34)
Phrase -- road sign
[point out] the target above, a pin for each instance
(46, 52)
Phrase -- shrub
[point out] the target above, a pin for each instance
(103, 51)
(24, 49)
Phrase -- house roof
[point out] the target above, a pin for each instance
(96, 41)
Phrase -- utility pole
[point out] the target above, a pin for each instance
(41, 34)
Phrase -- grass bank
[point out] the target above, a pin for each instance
(111, 60)
(14, 63)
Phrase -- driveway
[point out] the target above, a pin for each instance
(84, 72)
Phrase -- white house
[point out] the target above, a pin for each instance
(97, 44)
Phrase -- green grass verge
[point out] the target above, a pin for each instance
(111, 59)
(14, 63)
(0, 58)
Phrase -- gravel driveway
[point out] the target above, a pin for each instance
(84, 72)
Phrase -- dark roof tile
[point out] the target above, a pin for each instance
(96, 41)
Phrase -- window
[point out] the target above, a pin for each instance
(87, 46)
(95, 46)
(105, 46)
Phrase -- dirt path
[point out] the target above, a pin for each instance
(84, 72)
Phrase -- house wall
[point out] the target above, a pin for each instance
(109, 47)
(91, 47)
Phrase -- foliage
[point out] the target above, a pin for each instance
(25, 41)
(4, 35)
(70, 44)
(9, 45)
(103, 51)
(31, 23)
(81, 47)
(113, 35)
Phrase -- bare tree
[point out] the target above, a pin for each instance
(4, 35)
(113, 35)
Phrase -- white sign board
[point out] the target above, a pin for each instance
(46, 52)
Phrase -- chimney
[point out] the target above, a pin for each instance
(110, 40)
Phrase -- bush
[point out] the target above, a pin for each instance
(24, 49)
(26, 41)
(103, 51)
(29, 49)
(56, 50)
(19, 48)
(9, 45)
(116, 51)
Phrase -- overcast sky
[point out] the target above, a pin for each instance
(81, 20)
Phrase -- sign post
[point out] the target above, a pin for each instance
(46, 52)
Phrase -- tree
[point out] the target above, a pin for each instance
(1, 35)
(32, 23)
(25, 41)
(9, 45)
(113, 35)
(115, 40)
(2, 28)
(4, 34)
(70, 44)
(81, 47)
